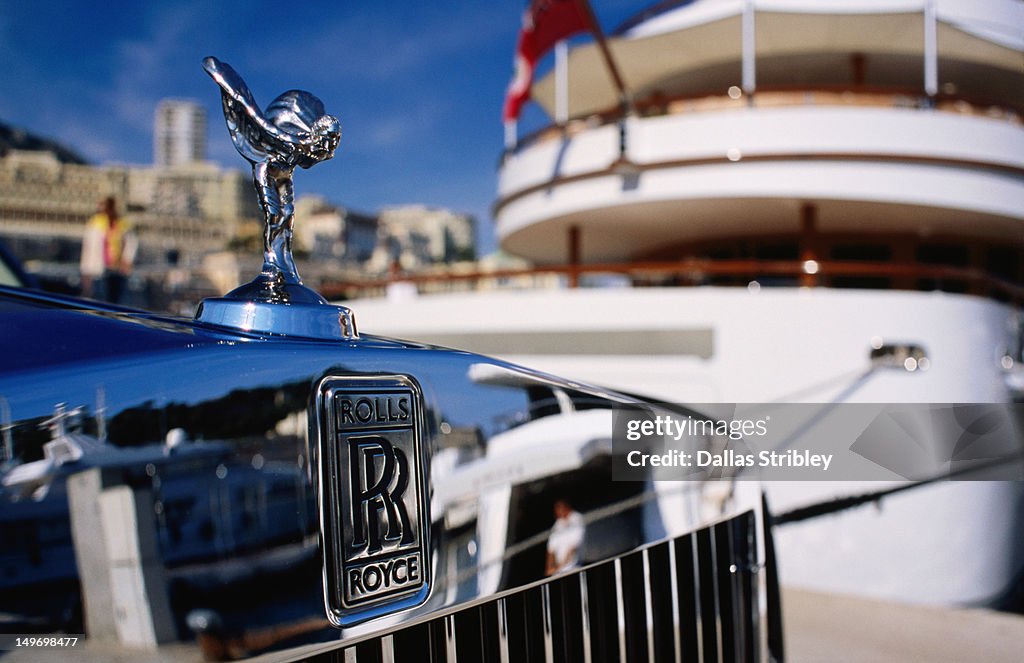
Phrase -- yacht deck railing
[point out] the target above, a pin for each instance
(774, 97)
(703, 271)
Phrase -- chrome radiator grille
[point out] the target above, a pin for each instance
(694, 598)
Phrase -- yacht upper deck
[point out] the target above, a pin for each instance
(881, 132)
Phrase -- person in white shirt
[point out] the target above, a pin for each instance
(565, 539)
(108, 251)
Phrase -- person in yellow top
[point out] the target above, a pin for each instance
(108, 252)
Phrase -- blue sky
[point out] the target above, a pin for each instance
(418, 86)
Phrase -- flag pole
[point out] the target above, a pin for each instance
(625, 100)
(511, 135)
(562, 82)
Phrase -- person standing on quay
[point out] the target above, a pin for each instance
(108, 252)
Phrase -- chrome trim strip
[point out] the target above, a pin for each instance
(648, 605)
(620, 609)
(699, 617)
(715, 586)
(585, 610)
(387, 649)
(757, 570)
(759, 600)
(449, 639)
(350, 655)
(673, 574)
(549, 648)
(735, 580)
(502, 632)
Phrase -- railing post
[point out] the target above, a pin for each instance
(574, 256)
(809, 245)
(931, 56)
(903, 254)
(749, 51)
(976, 264)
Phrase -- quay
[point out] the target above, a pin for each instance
(846, 629)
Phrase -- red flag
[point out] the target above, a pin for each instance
(545, 23)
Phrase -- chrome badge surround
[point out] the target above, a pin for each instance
(371, 488)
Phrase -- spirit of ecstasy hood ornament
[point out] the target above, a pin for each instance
(293, 131)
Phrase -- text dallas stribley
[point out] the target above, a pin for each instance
(729, 458)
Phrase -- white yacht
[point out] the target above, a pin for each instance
(830, 196)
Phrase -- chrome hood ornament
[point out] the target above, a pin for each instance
(294, 130)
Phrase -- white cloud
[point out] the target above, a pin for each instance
(408, 127)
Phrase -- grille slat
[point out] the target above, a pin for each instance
(502, 632)
(677, 631)
(620, 610)
(663, 642)
(725, 568)
(648, 605)
(549, 649)
(711, 642)
(698, 595)
(693, 598)
(634, 646)
(450, 647)
(691, 632)
(584, 618)
(387, 649)
(747, 619)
